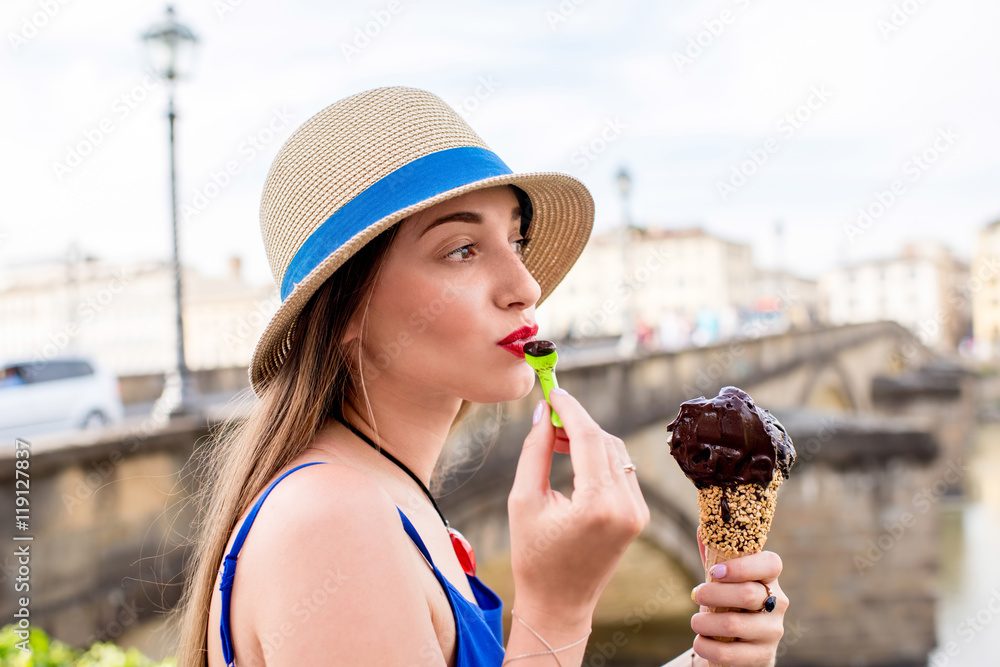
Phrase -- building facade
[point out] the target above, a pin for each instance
(923, 289)
(984, 287)
(677, 287)
(123, 315)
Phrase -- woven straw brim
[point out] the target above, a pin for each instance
(561, 225)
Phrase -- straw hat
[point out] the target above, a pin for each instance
(366, 162)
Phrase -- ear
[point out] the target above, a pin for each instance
(349, 344)
(352, 333)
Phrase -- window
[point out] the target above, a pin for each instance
(50, 371)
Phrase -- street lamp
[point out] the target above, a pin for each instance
(624, 180)
(628, 342)
(170, 46)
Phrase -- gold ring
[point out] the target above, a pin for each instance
(770, 602)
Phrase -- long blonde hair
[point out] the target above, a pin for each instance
(240, 457)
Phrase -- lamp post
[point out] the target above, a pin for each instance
(627, 343)
(170, 46)
(624, 180)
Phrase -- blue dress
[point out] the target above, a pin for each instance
(479, 627)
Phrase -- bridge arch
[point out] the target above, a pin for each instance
(829, 387)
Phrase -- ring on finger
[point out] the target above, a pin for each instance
(770, 601)
(630, 467)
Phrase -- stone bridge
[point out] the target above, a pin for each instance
(873, 414)
(826, 370)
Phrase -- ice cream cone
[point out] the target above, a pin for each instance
(737, 454)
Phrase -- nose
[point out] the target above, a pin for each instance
(516, 287)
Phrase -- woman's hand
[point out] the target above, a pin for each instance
(757, 634)
(564, 550)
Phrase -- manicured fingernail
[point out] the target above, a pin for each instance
(557, 390)
(538, 412)
(693, 590)
(718, 571)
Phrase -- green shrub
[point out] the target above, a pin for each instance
(47, 652)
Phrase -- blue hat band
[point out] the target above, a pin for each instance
(411, 184)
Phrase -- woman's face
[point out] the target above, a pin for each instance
(453, 285)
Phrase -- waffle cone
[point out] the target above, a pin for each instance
(737, 520)
(738, 530)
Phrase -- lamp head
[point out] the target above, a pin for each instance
(170, 46)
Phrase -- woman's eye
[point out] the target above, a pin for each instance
(457, 252)
(462, 253)
(523, 246)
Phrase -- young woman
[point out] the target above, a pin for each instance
(410, 262)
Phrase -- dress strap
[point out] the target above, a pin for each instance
(415, 536)
(229, 568)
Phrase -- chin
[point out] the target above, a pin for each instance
(506, 387)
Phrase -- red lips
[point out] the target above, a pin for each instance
(514, 343)
(523, 332)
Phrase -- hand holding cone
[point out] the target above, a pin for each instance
(737, 455)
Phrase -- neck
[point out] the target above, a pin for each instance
(412, 430)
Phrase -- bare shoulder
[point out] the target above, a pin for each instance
(331, 506)
(332, 553)
(329, 487)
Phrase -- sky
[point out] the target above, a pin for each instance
(739, 116)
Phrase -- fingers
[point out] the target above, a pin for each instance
(535, 461)
(619, 457)
(598, 460)
(759, 628)
(734, 654)
(764, 566)
(737, 584)
(749, 595)
(588, 453)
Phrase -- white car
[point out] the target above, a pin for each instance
(56, 395)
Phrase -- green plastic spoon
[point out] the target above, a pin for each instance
(541, 355)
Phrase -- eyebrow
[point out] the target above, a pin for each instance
(466, 216)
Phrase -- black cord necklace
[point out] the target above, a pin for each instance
(397, 462)
(463, 549)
